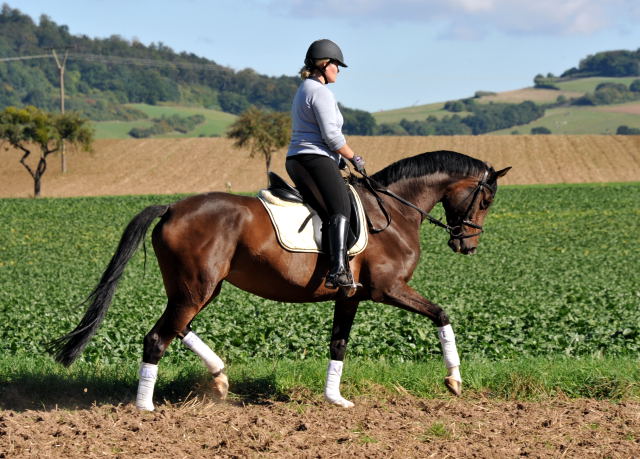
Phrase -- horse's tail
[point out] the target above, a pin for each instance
(67, 348)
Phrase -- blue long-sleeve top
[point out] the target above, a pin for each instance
(316, 121)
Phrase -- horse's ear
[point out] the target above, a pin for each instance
(502, 172)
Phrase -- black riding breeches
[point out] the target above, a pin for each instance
(319, 180)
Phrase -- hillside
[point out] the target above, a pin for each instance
(166, 166)
(563, 119)
(103, 74)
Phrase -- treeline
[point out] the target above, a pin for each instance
(620, 63)
(480, 119)
(96, 86)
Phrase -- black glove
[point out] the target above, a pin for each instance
(358, 163)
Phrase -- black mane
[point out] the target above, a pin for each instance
(445, 161)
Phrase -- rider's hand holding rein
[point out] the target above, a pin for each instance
(347, 153)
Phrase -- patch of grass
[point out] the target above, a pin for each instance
(418, 112)
(585, 85)
(28, 382)
(576, 120)
(436, 431)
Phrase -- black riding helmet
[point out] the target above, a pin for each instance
(323, 49)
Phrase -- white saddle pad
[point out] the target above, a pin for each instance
(298, 226)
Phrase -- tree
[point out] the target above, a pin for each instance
(540, 130)
(263, 132)
(31, 127)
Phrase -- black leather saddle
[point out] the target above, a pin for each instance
(281, 189)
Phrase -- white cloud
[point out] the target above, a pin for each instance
(466, 19)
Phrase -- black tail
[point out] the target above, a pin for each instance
(68, 347)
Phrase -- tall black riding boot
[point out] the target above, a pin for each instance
(339, 275)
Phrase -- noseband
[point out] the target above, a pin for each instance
(455, 232)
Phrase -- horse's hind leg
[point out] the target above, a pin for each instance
(175, 322)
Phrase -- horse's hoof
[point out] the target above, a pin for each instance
(343, 402)
(220, 386)
(454, 386)
(144, 406)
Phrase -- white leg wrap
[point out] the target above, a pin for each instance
(148, 376)
(210, 359)
(449, 350)
(332, 386)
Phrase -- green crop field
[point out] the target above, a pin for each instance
(585, 85)
(577, 121)
(418, 112)
(215, 124)
(556, 275)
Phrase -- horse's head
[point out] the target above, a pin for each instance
(466, 203)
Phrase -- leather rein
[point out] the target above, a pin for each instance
(455, 232)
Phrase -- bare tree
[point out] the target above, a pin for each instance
(262, 132)
(28, 128)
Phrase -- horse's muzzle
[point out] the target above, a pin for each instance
(461, 246)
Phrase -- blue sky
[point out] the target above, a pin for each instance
(400, 52)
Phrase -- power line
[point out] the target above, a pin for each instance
(23, 58)
(106, 59)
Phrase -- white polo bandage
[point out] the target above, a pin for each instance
(449, 350)
(148, 375)
(332, 385)
(210, 359)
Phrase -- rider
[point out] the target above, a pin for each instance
(317, 150)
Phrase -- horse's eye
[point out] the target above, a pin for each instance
(484, 204)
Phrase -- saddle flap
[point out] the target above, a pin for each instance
(299, 228)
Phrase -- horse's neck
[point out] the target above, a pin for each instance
(425, 192)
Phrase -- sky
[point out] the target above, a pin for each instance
(400, 53)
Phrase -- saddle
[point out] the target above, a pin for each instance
(299, 226)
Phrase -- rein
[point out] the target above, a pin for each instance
(456, 232)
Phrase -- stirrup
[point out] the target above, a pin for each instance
(343, 280)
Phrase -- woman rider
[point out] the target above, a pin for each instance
(317, 150)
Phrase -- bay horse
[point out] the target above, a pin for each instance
(205, 239)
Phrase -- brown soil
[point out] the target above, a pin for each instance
(165, 166)
(403, 427)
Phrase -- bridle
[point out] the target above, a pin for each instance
(455, 231)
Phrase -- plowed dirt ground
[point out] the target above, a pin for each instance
(403, 427)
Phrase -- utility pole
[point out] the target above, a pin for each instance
(61, 65)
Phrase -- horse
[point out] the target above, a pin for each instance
(206, 239)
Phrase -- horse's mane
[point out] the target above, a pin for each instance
(450, 162)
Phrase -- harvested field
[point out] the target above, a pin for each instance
(160, 166)
(540, 96)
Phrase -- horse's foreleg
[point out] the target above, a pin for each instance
(408, 299)
(343, 315)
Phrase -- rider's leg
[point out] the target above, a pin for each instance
(338, 275)
(319, 180)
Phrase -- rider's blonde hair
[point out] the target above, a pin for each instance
(306, 72)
